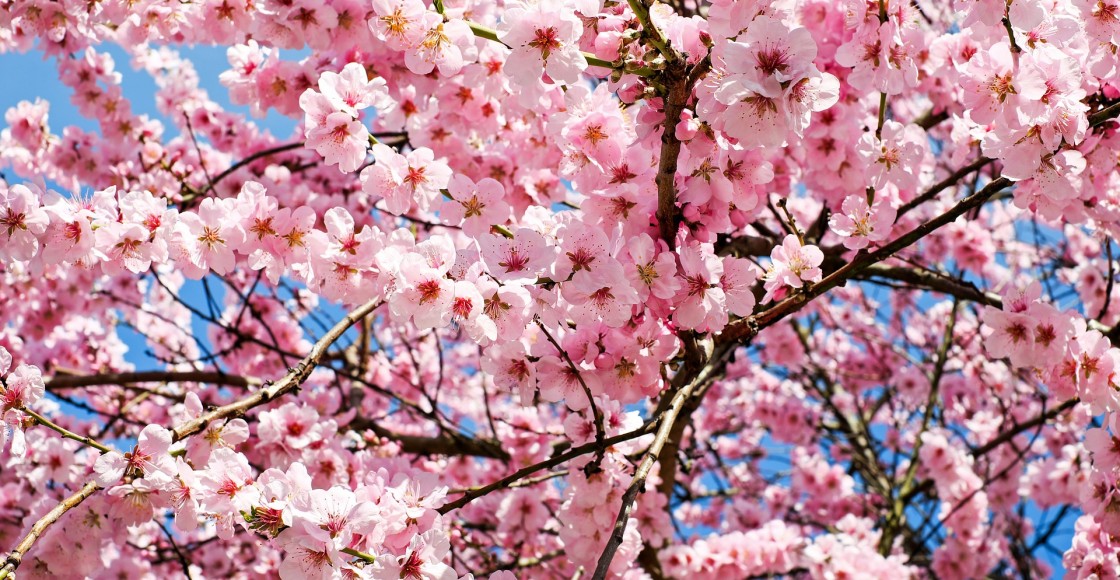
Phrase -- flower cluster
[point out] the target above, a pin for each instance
(639, 289)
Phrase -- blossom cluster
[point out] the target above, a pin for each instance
(606, 264)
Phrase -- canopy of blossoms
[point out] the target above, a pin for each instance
(564, 288)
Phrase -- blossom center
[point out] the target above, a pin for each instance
(647, 273)
(473, 207)
(594, 134)
(14, 221)
(772, 60)
(494, 307)
(412, 567)
(601, 296)
(545, 41)
(462, 307)
(581, 259)
(210, 237)
(395, 23)
(697, 286)
(262, 228)
(515, 261)
(429, 291)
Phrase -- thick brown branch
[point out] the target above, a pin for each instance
(1104, 115)
(746, 245)
(61, 381)
(930, 119)
(675, 102)
(932, 281)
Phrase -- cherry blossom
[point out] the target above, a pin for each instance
(545, 40)
(792, 264)
(705, 305)
(895, 157)
(475, 206)
(398, 23)
(520, 258)
(22, 221)
(341, 140)
(861, 224)
(603, 294)
(350, 90)
(149, 459)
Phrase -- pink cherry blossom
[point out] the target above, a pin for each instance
(861, 224)
(544, 40)
(552, 289)
(756, 114)
(792, 264)
(896, 157)
(398, 22)
(403, 180)
(653, 272)
(771, 52)
(22, 388)
(215, 235)
(989, 84)
(521, 258)
(424, 559)
(704, 306)
(603, 294)
(447, 46)
(424, 293)
(149, 459)
(341, 140)
(350, 90)
(737, 283)
(475, 206)
(22, 219)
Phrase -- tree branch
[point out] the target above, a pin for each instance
(674, 104)
(291, 381)
(16, 556)
(447, 444)
(1024, 426)
(67, 381)
(748, 327)
(477, 492)
(665, 422)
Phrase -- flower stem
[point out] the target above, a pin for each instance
(66, 432)
(360, 555)
(491, 34)
(882, 116)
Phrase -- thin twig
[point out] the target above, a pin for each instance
(178, 552)
(600, 433)
(68, 434)
(1111, 281)
(291, 381)
(477, 492)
